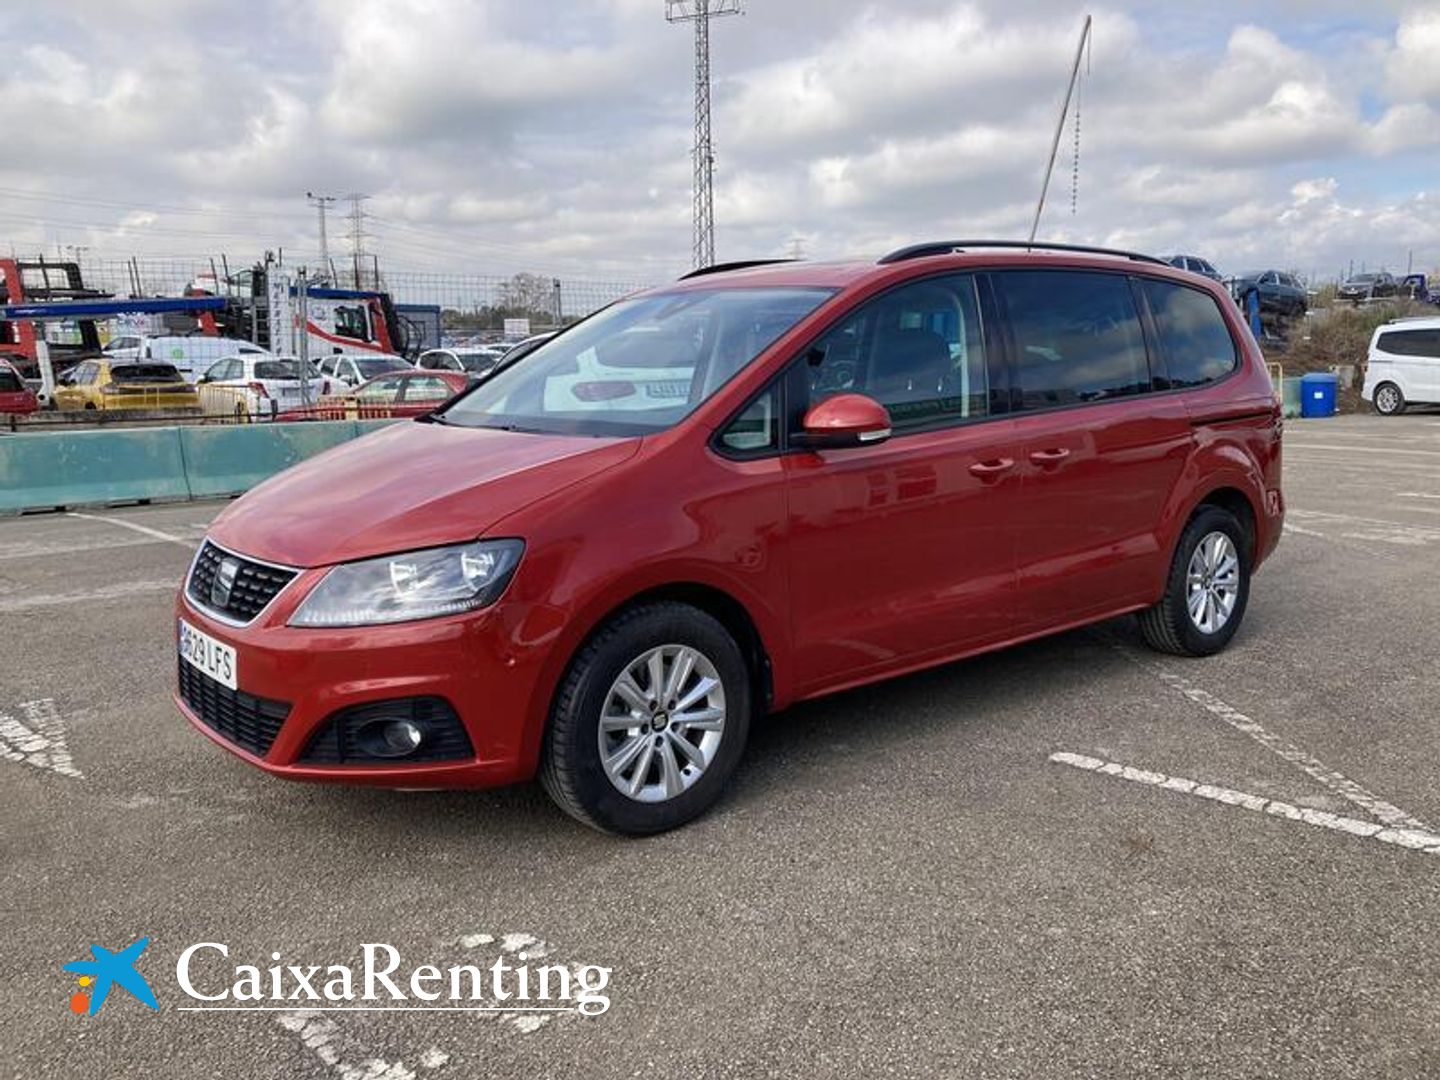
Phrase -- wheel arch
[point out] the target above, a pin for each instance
(739, 619)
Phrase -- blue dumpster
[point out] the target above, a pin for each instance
(1317, 394)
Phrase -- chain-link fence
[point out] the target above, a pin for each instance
(569, 297)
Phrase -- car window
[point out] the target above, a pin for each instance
(1268, 279)
(427, 388)
(216, 371)
(10, 382)
(145, 373)
(1077, 337)
(87, 373)
(917, 350)
(639, 365)
(385, 389)
(1204, 267)
(757, 428)
(277, 369)
(1193, 334)
(1410, 343)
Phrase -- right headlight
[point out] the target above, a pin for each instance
(413, 585)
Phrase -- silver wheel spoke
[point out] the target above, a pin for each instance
(619, 723)
(680, 670)
(689, 749)
(628, 689)
(702, 720)
(669, 769)
(618, 763)
(702, 688)
(642, 770)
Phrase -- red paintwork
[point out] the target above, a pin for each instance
(852, 564)
(17, 402)
(847, 414)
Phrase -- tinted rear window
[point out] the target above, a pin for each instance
(1410, 342)
(1194, 337)
(276, 369)
(136, 373)
(1077, 337)
(9, 381)
(370, 368)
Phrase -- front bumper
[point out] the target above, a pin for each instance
(471, 662)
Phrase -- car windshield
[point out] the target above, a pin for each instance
(640, 365)
(1365, 279)
(278, 369)
(146, 373)
(372, 366)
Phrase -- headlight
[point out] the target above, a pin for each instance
(415, 585)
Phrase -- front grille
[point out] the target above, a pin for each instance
(255, 584)
(249, 722)
(338, 743)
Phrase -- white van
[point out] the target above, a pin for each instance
(192, 354)
(1403, 367)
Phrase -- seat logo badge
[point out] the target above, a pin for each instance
(224, 582)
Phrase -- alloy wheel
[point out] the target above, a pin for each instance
(1212, 582)
(662, 723)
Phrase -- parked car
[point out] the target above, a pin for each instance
(16, 399)
(476, 360)
(876, 468)
(1403, 365)
(1419, 287)
(352, 369)
(254, 386)
(1195, 265)
(1280, 293)
(400, 393)
(1363, 287)
(107, 385)
(191, 354)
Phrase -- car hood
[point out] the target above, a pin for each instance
(411, 485)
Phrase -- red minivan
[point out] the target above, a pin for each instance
(764, 483)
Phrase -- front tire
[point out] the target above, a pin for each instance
(1207, 589)
(1388, 400)
(649, 722)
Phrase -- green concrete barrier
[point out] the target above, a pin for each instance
(1290, 397)
(229, 459)
(44, 471)
(38, 472)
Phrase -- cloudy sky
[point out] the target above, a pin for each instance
(498, 135)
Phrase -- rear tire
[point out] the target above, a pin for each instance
(1389, 400)
(1205, 595)
(661, 785)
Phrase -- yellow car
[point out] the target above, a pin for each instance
(103, 384)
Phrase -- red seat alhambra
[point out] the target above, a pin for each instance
(759, 485)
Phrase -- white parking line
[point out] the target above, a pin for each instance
(1414, 839)
(1289, 446)
(154, 534)
(117, 591)
(39, 741)
(1335, 781)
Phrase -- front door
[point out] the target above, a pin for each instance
(901, 552)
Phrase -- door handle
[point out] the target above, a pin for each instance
(988, 469)
(1050, 457)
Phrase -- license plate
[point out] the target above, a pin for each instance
(204, 653)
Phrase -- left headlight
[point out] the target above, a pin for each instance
(415, 585)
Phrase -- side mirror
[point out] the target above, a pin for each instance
(842, 421)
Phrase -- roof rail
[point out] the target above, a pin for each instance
(720, 268)
(946, 247)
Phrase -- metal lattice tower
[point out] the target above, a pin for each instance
(322, 203)
(357, 234)
(700, 12)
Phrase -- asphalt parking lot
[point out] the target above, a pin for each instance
(935, 876)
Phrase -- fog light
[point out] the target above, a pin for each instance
(391, 738)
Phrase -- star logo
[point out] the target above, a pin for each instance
(106, 970)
